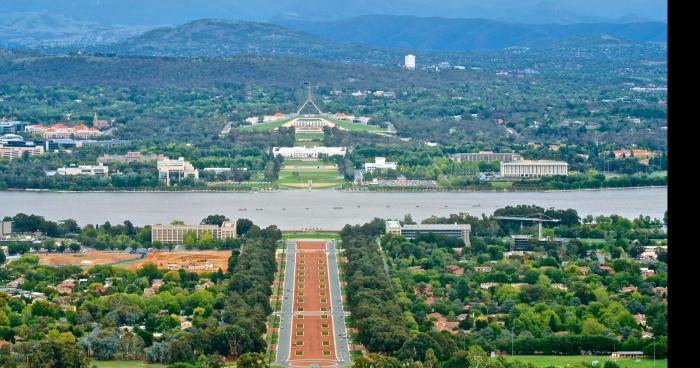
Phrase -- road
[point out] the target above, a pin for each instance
(290, 322)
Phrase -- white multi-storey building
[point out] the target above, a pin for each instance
(378, 164)
(533, 168)
(176, 170)
(84, 170)
(410, 62)
(308, 152)
(486, 156)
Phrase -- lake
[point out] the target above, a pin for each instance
(316, 209)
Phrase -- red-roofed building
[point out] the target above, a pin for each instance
(441, 323)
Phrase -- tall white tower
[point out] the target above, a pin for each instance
(410, 62)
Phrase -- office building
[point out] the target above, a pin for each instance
(486, 156)
(175, 234)
(11, 126)
(533, 168)
(411, 231)
(378, 164)
(410, 62)
(100, 169)
(308, 152)
(172, 171)
(58, 131)
(16, 149)
(61, 144)
(130, 157)
(5, 227)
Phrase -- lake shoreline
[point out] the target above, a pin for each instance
(416, 190)
(296, 209)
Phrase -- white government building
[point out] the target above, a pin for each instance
(533, 168)
(175, 170)
(83, 170)
(378, 164)
(308, 152)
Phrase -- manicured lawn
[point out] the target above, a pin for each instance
(330, 177)
(289, 162)
(563, 361)
(310, 235)
(264, 126)
(356, 127)
(123, 364)
(309, 135)
(501, 184)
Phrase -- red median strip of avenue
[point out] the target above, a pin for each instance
(313, 341)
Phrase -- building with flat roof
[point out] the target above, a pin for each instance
(533, 168)
(16, 149)
(11, 126)
(5, 227)
(308, 152)
(175, 234)
(379, 163)
(175, 170)
(409, 62)
(486, 156)
(130, 157)
(627, 354)
(411, 231)
(80, 131)
(89, 170)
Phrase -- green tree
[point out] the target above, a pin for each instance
(251, 360)
(58, 354)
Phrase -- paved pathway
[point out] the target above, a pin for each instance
(341, 354)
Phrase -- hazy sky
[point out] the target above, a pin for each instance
(179, 11)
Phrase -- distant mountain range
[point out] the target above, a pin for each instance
(170, 12)
(366, 40)
(225, 38)
(444, 34)
(31, 29)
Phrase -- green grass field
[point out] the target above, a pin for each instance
(309, 163)
(311, 235)
(354, 127)
(563, 361)
(123, 364)
(321, 177)
(501, 184)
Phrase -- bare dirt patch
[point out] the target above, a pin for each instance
(195, 261)
(88, 259)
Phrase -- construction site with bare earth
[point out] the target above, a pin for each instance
(192, 261)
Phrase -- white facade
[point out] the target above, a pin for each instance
(378, 164)
(486, 156)
(410, 62)
(533, 168)
(170, 170)
(84, 170)
(308, 152)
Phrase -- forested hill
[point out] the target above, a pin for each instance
(443, 34)
(158, 72)
(215, 37)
